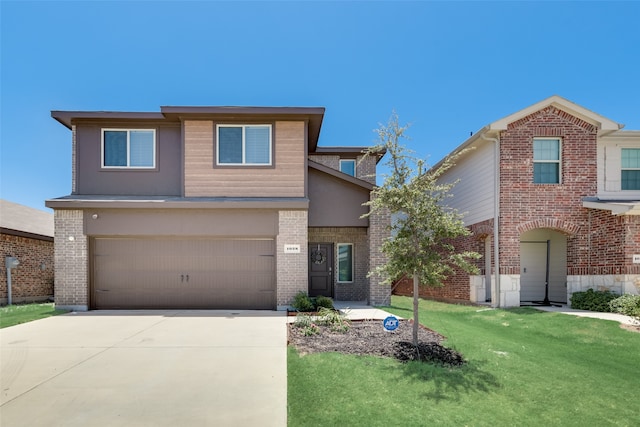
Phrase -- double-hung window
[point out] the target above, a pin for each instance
(630, 169)
(345, 262)
(129, 148)
(546, 160)
(348, 166)
(243, 145)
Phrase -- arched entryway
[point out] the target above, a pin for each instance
(543, 266)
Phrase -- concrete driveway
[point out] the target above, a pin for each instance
(146, 368)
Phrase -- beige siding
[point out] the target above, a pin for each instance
(610, 166)
(474, 193)
(284, 179)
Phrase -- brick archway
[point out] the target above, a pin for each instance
(565, 227)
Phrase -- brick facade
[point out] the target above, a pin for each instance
(71, 261)
(292, 270)
(358, 290)
(599, 245)
(33, 279)
(379, 223)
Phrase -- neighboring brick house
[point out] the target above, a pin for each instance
(213, 207)
(26, 234)
(563, 185)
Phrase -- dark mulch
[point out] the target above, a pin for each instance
(368, 337)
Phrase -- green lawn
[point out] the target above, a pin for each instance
(525, 368)
(15, 314)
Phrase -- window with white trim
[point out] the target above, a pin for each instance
(243, 145)
(630, 169)
(348, 166)
(129, 148)
(345, 262)
(546, 161)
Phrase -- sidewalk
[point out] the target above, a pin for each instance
(593, 314)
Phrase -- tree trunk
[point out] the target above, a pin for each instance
(416, 292)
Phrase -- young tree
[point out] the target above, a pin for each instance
(422, 226)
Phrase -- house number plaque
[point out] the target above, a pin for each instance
(291, 249)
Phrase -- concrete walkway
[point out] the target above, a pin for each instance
(621, 318)
(146, 368)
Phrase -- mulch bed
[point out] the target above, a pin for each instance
(368, 337)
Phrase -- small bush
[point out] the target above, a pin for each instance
(334, 319)
(322, 301)
(627, 304)
(302, 302)
(307, 324)
(593, 300)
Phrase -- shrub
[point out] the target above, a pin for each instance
(322, 301)
(593, 300)
(302, 302)
(627, 304)
(334, 319)
(306, 323)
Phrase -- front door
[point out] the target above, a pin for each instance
(321, 269)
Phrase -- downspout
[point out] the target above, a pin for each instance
(495, 286)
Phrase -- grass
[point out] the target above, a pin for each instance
(525, 368)
(15, 314)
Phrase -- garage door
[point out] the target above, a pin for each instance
(146, 273)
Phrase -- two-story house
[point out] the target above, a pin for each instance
(551, 194)
(213, 207)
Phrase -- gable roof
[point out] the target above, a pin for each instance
(490, 131)
(22, 220)
(601, 122)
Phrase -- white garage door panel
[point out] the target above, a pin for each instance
(183, 273)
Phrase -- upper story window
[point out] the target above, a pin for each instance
(631, 169)
(246, 145)
(129, 148)
(348, 166)
(546, 161)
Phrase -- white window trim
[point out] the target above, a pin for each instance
(626, 169)
(128, 130)
(559, 161)
(244, 151)
(353, 262)
(350, 161)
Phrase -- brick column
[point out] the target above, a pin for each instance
(291, 269)
(379, 294)
(71, 261)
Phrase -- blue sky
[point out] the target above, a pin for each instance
(448, 68)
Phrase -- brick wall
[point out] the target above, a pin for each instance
(71, 261)
(33, 279)
(358, 290)
(379, 293)
(292, 269)
(598, 243)
(556, 206)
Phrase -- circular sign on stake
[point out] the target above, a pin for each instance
(391, 323)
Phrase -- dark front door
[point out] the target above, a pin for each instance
(321, 269)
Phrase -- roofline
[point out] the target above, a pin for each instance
(169, 109)
(603, 123)
(340, 175)
(136, 202)
(313, 115)
(26, 234)
(493, 129)
(66, 118)
(349, 150)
